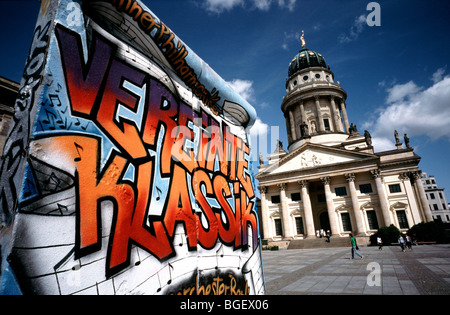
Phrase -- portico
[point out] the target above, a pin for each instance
(342, 203)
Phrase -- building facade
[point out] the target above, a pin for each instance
(330, 178)
(436, 198)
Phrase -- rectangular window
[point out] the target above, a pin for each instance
(395, 188)
(275, 199)
(372, 219)
(341, 191)
(432, 196)
(365, 189)
(346, 222)
(299, 225)
(326, 122)
(278, 227)
(402, 220)
(435, 206)
(296, 197)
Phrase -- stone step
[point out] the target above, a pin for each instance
(310, 243)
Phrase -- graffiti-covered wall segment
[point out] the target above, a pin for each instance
(137, 175)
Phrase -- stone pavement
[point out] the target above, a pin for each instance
(329, 271)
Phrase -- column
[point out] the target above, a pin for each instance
(355, 204)
(285, 212)
(423, 197)
(303, 118)
(376, 174)
(292, 121)
(264, 213)
(337, 121)
(404, 177)
(309, 221)
(321, 124)
(302, 112)
(330, 206)
(344, 116)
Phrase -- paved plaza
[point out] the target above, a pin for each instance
(329, 271)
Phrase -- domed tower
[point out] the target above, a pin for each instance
(314, 105)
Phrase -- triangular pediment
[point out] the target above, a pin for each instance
(311, 156)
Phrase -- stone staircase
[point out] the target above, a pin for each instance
(310, 243)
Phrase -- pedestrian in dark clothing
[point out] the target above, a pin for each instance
(408, 242)
(380, 243)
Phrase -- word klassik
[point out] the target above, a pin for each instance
(95, 90)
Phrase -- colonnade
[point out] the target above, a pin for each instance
(337, 106)
(417, 211)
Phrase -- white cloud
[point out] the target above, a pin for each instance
(259, 128)
(415, 111)
(383, 144)
(262, 4)
(289, 4)
(437, 76)
(401, 91)
(289, 37)
(244, 88)
(219, 6)
(355, 30)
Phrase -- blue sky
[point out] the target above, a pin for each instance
(397, 75)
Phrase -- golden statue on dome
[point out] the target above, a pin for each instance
(303, 39)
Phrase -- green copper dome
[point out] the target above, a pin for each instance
(305, 59)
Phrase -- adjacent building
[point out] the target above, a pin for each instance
(436, 198)
(330, 177)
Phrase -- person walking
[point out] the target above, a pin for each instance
(380, 243)
(355, 247)
(401, 241)
(328, 235)
(408, 242)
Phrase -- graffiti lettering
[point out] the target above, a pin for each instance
(126, 169)
(219, 285)
(129, 225)
(210, 191)
(175, 52)
(17, 141)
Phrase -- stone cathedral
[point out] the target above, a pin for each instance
(330, 178)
